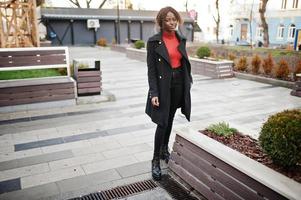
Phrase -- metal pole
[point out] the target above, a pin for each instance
(118, 23)
(129, 32)
(72, 31)
(95, 37)
(141, 30)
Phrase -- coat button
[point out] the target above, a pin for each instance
(159, 59)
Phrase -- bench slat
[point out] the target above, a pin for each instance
(89, 73)
(32, 60)
(36, 99)
(88, 90)
(38, 93)
(88, 79)
(53, 86)
(89, 85)
(31, 53)
(35, 81)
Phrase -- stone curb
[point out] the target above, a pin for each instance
(260, 79)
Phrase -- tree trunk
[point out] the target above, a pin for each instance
(217, 21)
(264, 24)
(186, 6)
(251, 20)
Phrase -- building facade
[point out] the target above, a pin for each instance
(81, 26)
(283, 18)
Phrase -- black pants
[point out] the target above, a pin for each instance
(176, 100)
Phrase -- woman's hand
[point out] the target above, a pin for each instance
(155, 101)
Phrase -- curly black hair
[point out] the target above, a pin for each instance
(163, 13)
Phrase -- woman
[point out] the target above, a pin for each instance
(169, 78)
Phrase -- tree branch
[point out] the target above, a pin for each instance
(214, 18)
(103, 2)
(88, 3)
(75, 2)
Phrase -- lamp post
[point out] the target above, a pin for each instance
(118, 23)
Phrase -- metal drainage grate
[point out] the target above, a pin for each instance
(121, 191)
(174, 189)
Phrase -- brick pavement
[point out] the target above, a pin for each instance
(65, 152)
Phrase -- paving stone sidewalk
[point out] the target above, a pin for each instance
(65, 152)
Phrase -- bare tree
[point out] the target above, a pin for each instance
(103, 3)
(251, 20)
(88, 3)
(186, 6)
(217, 20)
(76, 3)
(40, 2)
(264, 24)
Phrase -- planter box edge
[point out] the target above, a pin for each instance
(272, 179)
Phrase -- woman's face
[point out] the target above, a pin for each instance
(170, 22)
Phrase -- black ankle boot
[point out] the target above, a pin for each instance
(156, 170)
(164, 154)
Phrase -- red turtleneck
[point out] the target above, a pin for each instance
(171, 42)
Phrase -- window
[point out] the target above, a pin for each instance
(295, 4)
(283, 5)
(280, 32)
(231, 30)
(259, 31)
(291, 31)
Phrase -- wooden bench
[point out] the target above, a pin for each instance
(34, 90)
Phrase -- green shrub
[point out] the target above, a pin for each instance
(280, 138)
(222, 129)
(33, 73)
(139, 44)
(203, 52)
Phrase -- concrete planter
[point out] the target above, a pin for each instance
(214, 69)
(119, 48)
(261, 79)
(211, 68)
(219, 172)
(136, 54)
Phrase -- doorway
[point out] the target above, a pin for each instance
(243, 32)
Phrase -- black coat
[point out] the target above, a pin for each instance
(159, 79)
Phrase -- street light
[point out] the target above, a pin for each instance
(118, 23)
